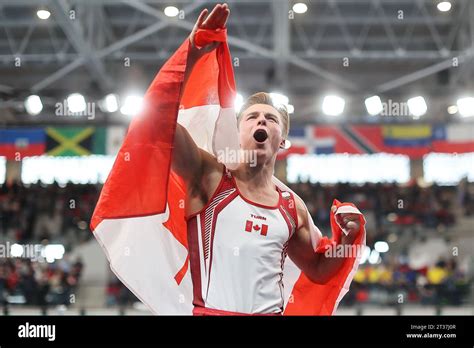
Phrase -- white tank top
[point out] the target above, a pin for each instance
(238, 249)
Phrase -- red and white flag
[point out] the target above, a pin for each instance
(139, 218)
(250, 226)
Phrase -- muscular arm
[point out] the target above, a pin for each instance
(317, 267)
(187, 158)
(189, 161)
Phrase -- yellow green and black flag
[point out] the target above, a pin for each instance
(75, 141)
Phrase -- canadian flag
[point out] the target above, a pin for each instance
(139, 218)
(263, 229)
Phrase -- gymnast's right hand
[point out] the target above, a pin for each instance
(216, 19)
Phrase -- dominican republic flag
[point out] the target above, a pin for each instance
(139, 218)
(307, 140)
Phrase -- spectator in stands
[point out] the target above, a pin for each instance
(61, 214)
(38, 283)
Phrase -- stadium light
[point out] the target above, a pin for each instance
(365, 255)
(43, 14)
(374, 105)
(444, 6)
(110, 103)
(374, 257)
(452, 109)
(132, 105)
(238, 102)
(466, 106)
(171, 11)
(52, 252)
(33, 105)
(381, 247)
(290, 108)
(16, 250)
(300, 7)
(417, 106)
(76, 103)
(333, 105)
(279, 98)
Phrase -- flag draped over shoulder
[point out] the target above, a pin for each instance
(139, 218)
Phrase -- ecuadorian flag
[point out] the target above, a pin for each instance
(407, 136)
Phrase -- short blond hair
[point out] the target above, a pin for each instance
(265, 98)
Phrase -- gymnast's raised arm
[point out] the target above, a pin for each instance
(188, 160)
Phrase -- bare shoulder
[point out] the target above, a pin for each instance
(302, 212)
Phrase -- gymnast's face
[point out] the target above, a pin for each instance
(261, 117)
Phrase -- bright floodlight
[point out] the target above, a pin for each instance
(333, 105)
(374, 257)
(33, 105)
(279, 98)
(133, 105)
(53, 252)
(417, 106)
(381, 247)
(300, 7)
(290, 108)
(76, 103)
(238, 102)
(452, 109)
(444, 6)
(43, 14)
(110, 103)
(466, 106)
(365, 255)
(374, 105)
(16, 250)
(171, 11)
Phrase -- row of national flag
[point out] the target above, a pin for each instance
(17, 143)
(414, 141)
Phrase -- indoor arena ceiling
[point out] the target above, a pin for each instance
(355, 48)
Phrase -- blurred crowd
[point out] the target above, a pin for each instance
(385, 284)
(43, 214)
(23, 281)
(392, 283)
(405, 206)
(405, 210)
(118, 294)
(47, 212)
(60, 214)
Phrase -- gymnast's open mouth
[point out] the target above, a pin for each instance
(260, 135)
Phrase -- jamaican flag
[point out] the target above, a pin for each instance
(75, 141)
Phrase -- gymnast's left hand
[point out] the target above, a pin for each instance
(349, 222)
